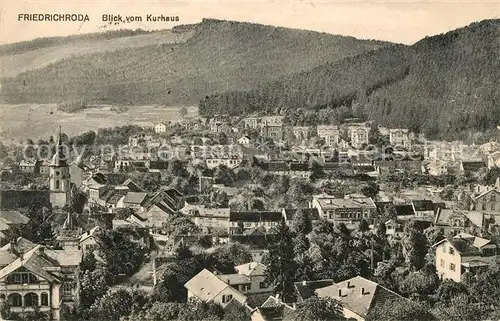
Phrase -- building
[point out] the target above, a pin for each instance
(464, 253)
(289, 214)
(274, 309)
(33, 277)
(250, 279)
(211, 220)
(160, 128)
(488, 201)
(330, 134)
(301, 133)
(359, 137)
(59, 177)
(358, 296)
(399, 137)
(30, 166)
(11, 220)
(208, 287)
(292, 169)
(272, 127)
(343, 210)
(251, 122)
(134, 200)
(245, 141)
(230, 162)
(265, 219)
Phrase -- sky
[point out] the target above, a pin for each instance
(401, 21)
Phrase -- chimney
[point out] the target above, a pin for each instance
(348, 284)
(304, 283)
(41, 250)
(363, 291)
(340, 292)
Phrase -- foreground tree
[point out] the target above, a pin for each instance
(320, 309)
(280, 262)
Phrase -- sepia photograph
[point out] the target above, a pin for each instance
(249, 160)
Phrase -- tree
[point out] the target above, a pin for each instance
(178, 224)
(371, 190)
(227, 256)
(316, 171)
(399, 309)
(122, 256)
(113, 305)
(414, 247)
(93, 284)
(363, 226)
(280, 262)
(319, 309)
(447, 290)
(434, 234)
(302, 223)
(461, 307)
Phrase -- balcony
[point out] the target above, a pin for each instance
(27, 287)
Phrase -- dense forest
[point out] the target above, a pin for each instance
(38, 43)
(442, 85)
(220, 56)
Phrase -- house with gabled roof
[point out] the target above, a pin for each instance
(488, 201)
(33, 277)
(464, 253)
(358, 296)
(274, 309)
(208, 287)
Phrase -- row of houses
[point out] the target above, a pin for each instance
(358, 297)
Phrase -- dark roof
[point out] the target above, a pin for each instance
(439, 206)
(423, 205)
(472, 166)
(402, 210)
(463, 246)
(299, 166)
(312, 212)
(266, 216)
(306, 289)
(274, 166)
(100, 178)
(381, 205)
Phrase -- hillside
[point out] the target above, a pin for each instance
(442, 85)
(220, 56)
(28, 55)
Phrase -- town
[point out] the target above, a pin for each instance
(252, 217)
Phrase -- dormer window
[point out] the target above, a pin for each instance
(451, 251)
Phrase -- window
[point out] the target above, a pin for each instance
(452, 267)
(15, 300)
(31, 300)
(57, 173)
(22, 278)
(451, 251)
(67, 289)
(493, 206)
(442, 263)
(249, 286)
(262, 285)
(57, 185)
(227, 298)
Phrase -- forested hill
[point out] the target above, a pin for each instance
(442, 85)
(219, 56)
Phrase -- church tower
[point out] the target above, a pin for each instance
(59, 177)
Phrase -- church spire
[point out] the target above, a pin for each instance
(59, 140)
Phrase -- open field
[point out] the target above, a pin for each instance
(36, 121)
